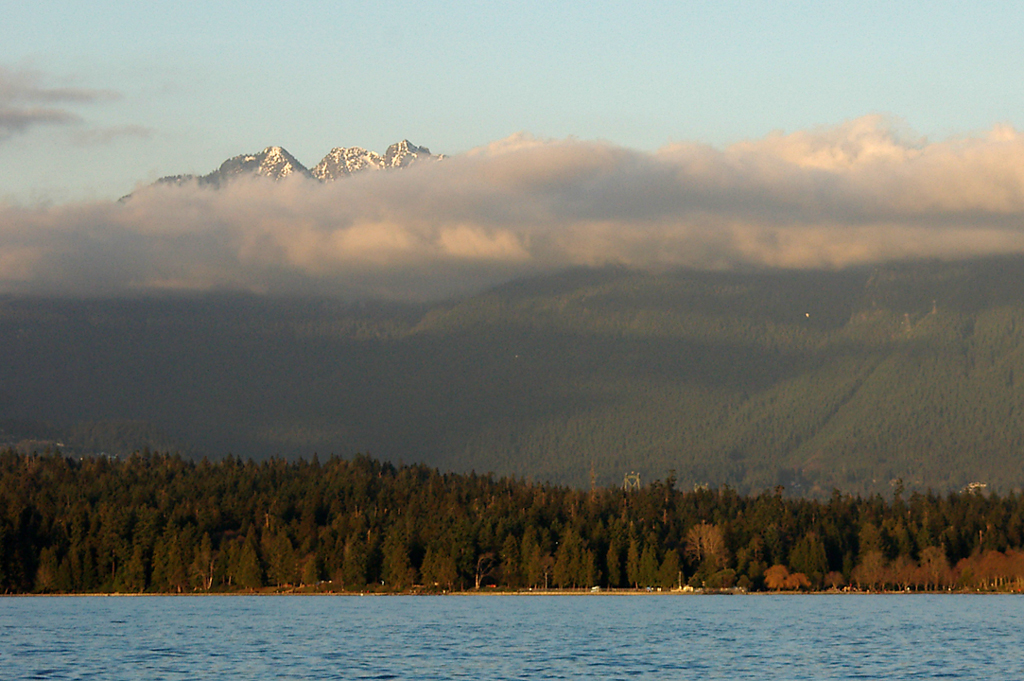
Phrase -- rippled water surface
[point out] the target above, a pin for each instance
(513, 637)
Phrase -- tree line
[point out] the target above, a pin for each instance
(162, 523)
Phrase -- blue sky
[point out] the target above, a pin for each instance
(148, 90)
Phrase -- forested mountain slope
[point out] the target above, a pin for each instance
(806, 379)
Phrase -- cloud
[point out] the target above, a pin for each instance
(14, 120)
(26, 102)
(860, 192)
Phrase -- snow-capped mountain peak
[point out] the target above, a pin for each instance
(342, 161)
(273, 162)
(276, 163)
(401, 154)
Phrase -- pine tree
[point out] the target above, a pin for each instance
(648, 567)
(613, 561)
(353, 572)
(202, 567)
(46, 574)
(670, 573)
(248, 570)
(398, 571)
(135, 571)
(633, 573)
(510, 562)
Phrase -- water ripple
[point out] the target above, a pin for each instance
(537, 637)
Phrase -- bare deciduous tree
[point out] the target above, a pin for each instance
(485, 565)
(934, 567)
(704, 542)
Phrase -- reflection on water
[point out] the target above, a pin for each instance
(514, 637)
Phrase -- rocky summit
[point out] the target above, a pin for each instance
(276, 163)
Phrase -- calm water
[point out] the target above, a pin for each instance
(527, 637)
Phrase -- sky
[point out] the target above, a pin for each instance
(647, 134)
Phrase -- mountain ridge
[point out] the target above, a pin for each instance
(276, 163)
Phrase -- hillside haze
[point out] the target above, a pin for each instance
(812, 380)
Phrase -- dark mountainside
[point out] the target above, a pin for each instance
(811, 380)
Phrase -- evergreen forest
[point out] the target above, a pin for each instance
(158, 523)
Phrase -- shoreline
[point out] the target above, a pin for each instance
(526, 593)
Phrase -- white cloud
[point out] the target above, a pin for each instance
(855, 193)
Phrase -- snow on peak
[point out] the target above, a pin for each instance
(403, 153)
(343, 161)
(273, 162)
(276, 163)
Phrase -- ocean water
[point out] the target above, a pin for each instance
(514, 637)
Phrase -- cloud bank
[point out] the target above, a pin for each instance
(861, 192)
